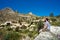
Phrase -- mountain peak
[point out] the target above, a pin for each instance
(8, 10)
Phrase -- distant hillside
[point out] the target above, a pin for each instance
(7, 14)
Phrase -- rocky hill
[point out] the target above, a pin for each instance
(8, 14)
(20, 26)
(17, 22)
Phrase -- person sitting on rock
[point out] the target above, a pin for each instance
(46, 25)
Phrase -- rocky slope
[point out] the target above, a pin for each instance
(7, 14)
(54, 34)
(27, 25)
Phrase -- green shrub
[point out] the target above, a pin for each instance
(9, 29)
(11, 36)
(53, 19)
(17, 29)
(56, 23)
(40, 25)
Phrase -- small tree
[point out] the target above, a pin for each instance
(51, 14)
(17, 29)
(58, 16)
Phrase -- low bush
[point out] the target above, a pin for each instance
(11, 36)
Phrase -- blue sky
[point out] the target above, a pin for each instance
(37, 7)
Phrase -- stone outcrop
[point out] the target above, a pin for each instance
(53, 34)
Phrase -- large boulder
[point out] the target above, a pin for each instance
(55, 30)
(53, 34)
(46, 36)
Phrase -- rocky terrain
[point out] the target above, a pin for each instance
(18, 26)
(14, 23)
(54, 34)
(7, 14)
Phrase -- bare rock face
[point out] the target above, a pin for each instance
(53, 34)
(55, 30)
(45, 36)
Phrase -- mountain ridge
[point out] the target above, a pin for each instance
(7, 14)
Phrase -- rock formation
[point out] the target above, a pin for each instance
(54, 34)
